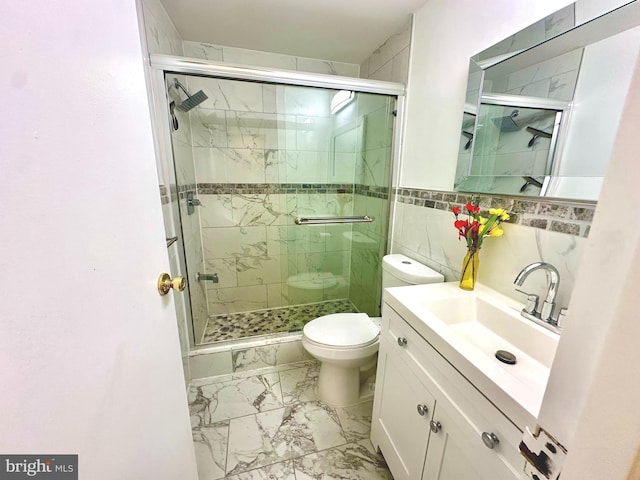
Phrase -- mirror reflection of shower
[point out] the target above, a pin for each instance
(510, 143)
(251, 159)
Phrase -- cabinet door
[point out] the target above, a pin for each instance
(402, 430)
(456, 451)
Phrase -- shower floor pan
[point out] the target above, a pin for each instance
(233, 326)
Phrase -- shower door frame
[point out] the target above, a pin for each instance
(159, 65)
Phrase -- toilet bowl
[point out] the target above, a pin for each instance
(346, 344)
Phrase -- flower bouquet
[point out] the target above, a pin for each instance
(474, 229)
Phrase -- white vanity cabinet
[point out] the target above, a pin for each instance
(429, 420)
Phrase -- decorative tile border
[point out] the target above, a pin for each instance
(371, 191)
(273, 188)
(164, 195)
(573, 218)
(292, 188)
(167, 194)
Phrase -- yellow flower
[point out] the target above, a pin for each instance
(500, 212)
(496, 232)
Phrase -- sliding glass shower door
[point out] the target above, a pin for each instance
(252, 158)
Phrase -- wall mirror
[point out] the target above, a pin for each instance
(543, 106)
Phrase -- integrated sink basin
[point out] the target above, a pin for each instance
(490, 328)
(468, 328)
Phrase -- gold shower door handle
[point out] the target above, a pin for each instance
(166, 283)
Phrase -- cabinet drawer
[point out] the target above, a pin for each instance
(450, 387)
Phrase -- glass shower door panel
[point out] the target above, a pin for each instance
(368, 240)
(182, 192)
(320, 270)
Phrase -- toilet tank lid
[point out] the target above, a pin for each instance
(409, 270)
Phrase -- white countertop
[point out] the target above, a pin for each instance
(517, 390)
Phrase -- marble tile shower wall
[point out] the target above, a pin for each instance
(390, 61)
(257, 150)
(161, 35)
(542, 230)
(220, 53)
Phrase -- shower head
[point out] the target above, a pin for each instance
(192, 101)
(507, 123)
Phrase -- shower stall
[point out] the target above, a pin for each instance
(283, 185)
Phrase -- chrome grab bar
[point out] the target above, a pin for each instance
(323, 220)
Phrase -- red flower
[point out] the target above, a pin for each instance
(461, 224)
(472, 208)
(475, 228)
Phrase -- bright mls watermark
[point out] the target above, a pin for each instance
(51, 467)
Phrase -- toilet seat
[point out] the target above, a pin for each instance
(342, 331)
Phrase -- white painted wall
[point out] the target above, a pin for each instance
(89, 351)
(445, 35)
(596, 367)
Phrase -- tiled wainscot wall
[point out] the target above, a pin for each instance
(539, 230)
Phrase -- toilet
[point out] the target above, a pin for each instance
(346, 344)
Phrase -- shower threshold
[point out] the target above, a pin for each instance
(233, 326)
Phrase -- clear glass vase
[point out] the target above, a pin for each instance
(470, 266)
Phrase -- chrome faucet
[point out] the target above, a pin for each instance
(548, 306)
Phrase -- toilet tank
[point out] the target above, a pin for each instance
(399, 270)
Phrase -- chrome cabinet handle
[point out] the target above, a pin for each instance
(402, 341)
(423, 410)
(490, 440)
(435, 426)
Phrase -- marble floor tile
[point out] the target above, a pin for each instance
(354, 461)
(271, 437)
(278, 471)
(210, 443)
(356, 421)
(234, 398)
(300, 384)
(314, 426)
